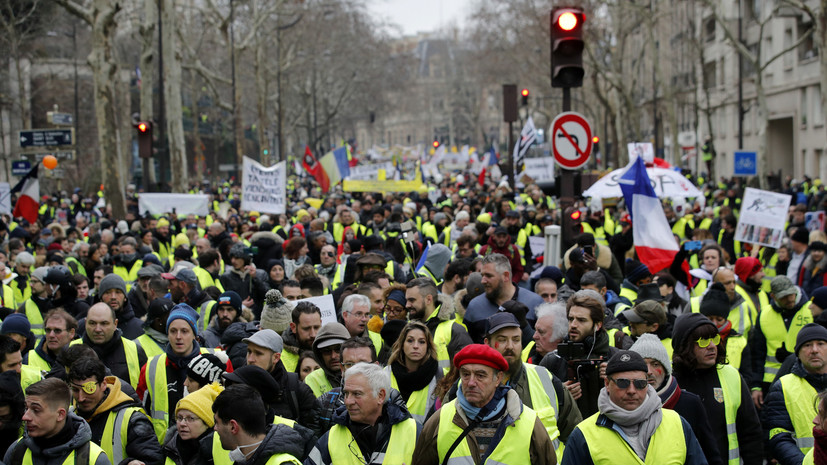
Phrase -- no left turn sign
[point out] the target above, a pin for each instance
(571, 140)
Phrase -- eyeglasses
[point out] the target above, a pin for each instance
(704, 342)
(88, 387)
(329, 254)
(187, 420)
(624, 383)
(57, 331)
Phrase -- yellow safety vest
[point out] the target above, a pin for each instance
(28, 376)
(279, 459)
(420, 402)
(736, 245)
(205, 312)
(809, 458)
(399, 449)
(800, 400)
(730, 381)
(377, 340)
(7, 297)
(130, 275)
(290, 360)
(130, 351)
(735, 349)
(442, 337)
(511, 449)
(775, 333)
(94, 452)
(114, 438)
(206, 280)
(220, 455)
(317, 381)
(628, 293)
(35, 317)
(544, 402)
(150, 346)
(700, 288)
(526, 351)
(20, 296)
(607, 447)
(38, 362)
(741, 317)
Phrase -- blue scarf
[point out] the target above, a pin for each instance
(489, 411)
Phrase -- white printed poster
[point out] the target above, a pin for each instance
(763, 215)
(537, 170)
(641, 149)
(325, 304)
(263, 189)
(370, 172)
(5, 198)
(159, 203)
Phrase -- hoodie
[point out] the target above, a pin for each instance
(142, 444)
(79, 434)
(326, 333)
(438, 257)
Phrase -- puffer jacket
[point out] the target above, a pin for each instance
(231, 340)
(280, 439)
(213, 334)
(57, 454)
(775, 416)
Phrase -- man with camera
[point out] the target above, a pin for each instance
(580, 359)
(243, 278)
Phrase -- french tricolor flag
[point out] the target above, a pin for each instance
(29, 193)
(655, 245)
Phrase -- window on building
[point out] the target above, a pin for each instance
(789, 57)
(747, 65)
(753, 8)
(709, 75)
(803, 107)
(709, 29)
(817, 111)
(807, 49)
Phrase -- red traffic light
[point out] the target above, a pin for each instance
(575, 215)
(143, 127)
(436, 144)
(524, 93)
(567, 21)
(595, 140)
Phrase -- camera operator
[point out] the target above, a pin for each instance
(580, 360)
(243, 278)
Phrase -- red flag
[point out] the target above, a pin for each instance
(481, 177)
(315, 169)
(29, 192)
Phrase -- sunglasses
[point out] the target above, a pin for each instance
(704, 342)
(624, 383)
(329, 254)
(330, 350)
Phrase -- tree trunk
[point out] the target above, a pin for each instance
(147, 67)
(105, 73)
(763, 135)
(172, 96)
(260, 66)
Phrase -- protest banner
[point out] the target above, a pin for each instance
(763, 216)
(350, 185)
(180, 204)
(263, 188)
(366, 172)
(537, 170)
(815, 220)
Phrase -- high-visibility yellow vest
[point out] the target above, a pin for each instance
(809, 458)
(628, 293)
(130, 351)
(317, 381)
(7, 298)
(114, 438)
(20, 296)
(736, 245)
(35, 317)
(544, 402)
(220, 455)
(150, 346)
(399, 449)
(512, 448)
(776, 333)
(421, 401)
(741, 316)
(290, 360)
(38, 362)
(442, 337)
(700, 288)
(607, 447)
(94, 453)
(426, 273)
(130, 275)
(28, 376)
(526, 352)
(800, 400)
(205, 312)
(735, 349)
(206, 280)
(279, 459)
(730, 381)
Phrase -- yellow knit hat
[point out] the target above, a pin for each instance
(162, 222)
(179, 240)
(200, 403)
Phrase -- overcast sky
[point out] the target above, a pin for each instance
(420, 15)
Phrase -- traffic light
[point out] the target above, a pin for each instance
(567, 47)
(144, 138)
(596, 144)
(571, 228)
(436, 144)
(524, 94)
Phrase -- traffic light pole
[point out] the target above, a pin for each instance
(566, 176)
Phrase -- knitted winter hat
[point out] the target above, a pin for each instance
(810, 332)
(277, 313)
(206, 368)
(635, 271)
(649, 346)
(200, 403)
(625, 360)
(715, 301)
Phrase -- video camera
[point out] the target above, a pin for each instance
(577, 359)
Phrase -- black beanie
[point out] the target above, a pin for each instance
(810, 332)
(635, 271)
(801, 235)
(716, 301)
(684, 325)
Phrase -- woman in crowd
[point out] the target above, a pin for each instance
(307, 364)
(275, 273)
(414, 370)
(395, 303)
(295, 255)
(191, 440)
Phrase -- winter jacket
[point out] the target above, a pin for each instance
(231, 341)
(541, 450)
(296, 400)
(481, 307)
(782, 446)
(249, 286)
(203, 455)
(590, 381)
(141, 442)
(279, 439)
(704, 384)
(138, 300)
(56, 455)
(393, 412)
(811, 276)
(269, 247)
(758, 342)
(212, 335)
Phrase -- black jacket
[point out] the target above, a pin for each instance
(296, 400)
(251, 286)
(280, 439)
(129, 323)
(231, 341)
(782, 445)
(703, 383)
(589, 373)
(758, 342)
(112, 355)
(690, 407)
(191, 452)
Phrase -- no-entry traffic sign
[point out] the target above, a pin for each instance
(571, 140)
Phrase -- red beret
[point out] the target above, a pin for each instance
(481, 354)
(746, 267)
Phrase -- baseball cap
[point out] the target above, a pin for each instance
(647, 311)
(266, 338)
(500, 320)
(181, 274)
